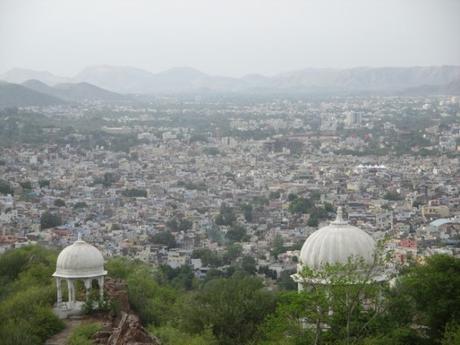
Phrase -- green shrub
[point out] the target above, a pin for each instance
(83, 333)
(173, 336)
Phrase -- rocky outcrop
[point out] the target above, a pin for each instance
(131, 332)
(117, 292)
(125, 327)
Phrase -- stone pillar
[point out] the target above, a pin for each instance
(87, 287)
(100, 281)
(59, 290)
(70, 290)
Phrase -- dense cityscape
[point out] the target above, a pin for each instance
(164, 181)
(237, 172)
(209, 187)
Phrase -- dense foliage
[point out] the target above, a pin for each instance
(83, 333)
(235, 307)
(26, 296)
(50, 220)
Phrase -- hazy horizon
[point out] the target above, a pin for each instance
(70, 76)
(231, 39)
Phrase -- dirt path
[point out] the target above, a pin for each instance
(61, 337)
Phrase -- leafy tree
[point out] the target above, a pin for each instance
(213, 274)
(50, 220)
(237, 233)
(180, 277)
(121, 267)
(398, 336)
(285, 281)
(300, 205)
(165, 238)
(345, 310)
(328, 207)
(393, 196)
(248, 265)
(247, 212)
(292, 197)
(226, 215)
(44, 183)
(109, 179)
(435, 290)
(59, 203)
(260, 201)
(179, 225)
(232, 308)
(26, 296)
(451, 334)
(135, 193)
(315, 195)
(5, 187)
(233, 252)
(207, 256)
(80, 204)
(267, 272)
(211, 151)
(26, 184)
(149, 299)
(313, 220)
(274, 195)
(278, 245)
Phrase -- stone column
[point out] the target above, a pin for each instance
(299, 287)
(100, 281)
(59, 290)
(87, 287)
(70, 290)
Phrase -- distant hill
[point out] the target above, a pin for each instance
(118, 79)
(138, 81)
(20, 75)
(14, 95)
(77, 92)
(311, 80)
(361, 80)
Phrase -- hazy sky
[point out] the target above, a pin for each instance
(227, 37)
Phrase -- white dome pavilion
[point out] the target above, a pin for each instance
(336, 243)
(79, 261)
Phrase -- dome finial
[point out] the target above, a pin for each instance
(339, 219)
(79, 236)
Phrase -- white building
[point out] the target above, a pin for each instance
(79, 261)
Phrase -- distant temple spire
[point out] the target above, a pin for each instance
(339, 218)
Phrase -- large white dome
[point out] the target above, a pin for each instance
(336, 243)
(80, 260)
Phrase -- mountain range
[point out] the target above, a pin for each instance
(112, 83)
(15, 95)
(36, 93)
(74, 92)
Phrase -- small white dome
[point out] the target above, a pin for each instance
(80, 260)
(336, 243)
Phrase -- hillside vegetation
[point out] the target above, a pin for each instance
(236, 308)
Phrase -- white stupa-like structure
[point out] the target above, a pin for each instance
(79, 261)
(334, 244)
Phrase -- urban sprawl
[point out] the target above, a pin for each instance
(215, 182)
